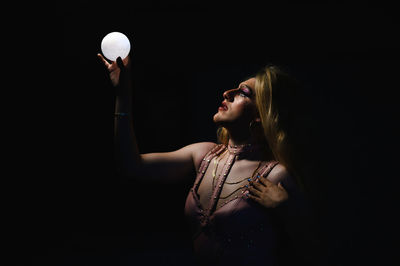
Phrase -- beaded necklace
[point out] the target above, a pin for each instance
(243, 186)
(234, 152)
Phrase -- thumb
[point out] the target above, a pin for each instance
(280, 186)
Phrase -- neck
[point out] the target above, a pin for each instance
(240, 139)
(252, 150)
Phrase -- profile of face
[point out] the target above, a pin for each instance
(238, 108)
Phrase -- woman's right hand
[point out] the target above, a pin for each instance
(114, 69)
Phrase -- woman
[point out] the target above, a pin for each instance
(247, 193)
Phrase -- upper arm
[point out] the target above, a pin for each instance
(175, 165)
(280, 174)
(298, 217)
(299, 220)
(297, 199)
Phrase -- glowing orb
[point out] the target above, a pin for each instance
(115, 44)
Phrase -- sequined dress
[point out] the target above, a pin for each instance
(238, 232)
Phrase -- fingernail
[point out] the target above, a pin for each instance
(247, 186)
(249, 179)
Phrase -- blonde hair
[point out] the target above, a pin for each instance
(275, 92)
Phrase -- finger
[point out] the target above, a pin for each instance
(105, 62)
(254, 191)
(126, 61)
(253, 198)
(258, 186)
(120, 63)
(265, 181)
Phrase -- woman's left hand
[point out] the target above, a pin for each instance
(267, 193)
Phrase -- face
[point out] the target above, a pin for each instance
(238, 107)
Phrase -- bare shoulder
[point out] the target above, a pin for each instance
(202, 147)
(278, 174)
(199, 150)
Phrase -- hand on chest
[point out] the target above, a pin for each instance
(231, 180)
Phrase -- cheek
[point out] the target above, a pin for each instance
(244, 106)
(239, 107)
(243, 109)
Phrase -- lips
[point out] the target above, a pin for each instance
(223, 106)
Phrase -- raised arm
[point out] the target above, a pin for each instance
(172, 166)
(165, 166)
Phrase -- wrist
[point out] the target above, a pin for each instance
(121, 114)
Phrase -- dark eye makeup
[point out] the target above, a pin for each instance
(245, 90)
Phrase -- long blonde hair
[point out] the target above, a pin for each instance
(275, 94)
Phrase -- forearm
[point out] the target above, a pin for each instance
(127, 153)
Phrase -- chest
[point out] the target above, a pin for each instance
(235, 181)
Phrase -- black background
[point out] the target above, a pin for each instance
(184, 56)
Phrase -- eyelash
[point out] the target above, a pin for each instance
(242, 93)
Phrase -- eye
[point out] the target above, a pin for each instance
(244, 92)
(241, 93)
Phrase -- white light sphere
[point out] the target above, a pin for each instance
(115, 44)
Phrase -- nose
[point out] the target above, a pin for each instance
(229, 94)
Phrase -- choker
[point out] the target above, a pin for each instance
(240, 149)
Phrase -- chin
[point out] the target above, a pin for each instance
(219, 122)
(217, 119)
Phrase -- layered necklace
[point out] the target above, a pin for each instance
(235, 151)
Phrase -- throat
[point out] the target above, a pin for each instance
(250, 151)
